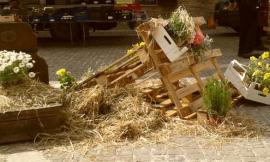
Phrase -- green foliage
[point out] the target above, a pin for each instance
(258, 71)
(8, 77)
(66, 80)
(181, 26)
(216, 97)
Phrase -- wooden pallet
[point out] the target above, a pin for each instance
(172, 72)
(121, 72)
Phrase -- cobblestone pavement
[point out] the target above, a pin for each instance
(103, 50)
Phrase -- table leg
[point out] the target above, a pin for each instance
(71, 37)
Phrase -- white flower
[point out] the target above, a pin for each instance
(29, 65)
(16, 69)
(20, 57)
(32, 74)
(21, 65)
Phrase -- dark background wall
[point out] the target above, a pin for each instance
(195, 7)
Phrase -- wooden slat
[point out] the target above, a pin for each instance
(33, 113)
(202, 66)
(170, 113)
(167, 103)
(126, 74)
(173, 77)
(183, 92)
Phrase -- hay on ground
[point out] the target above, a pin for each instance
(119, 114)
(30, 94)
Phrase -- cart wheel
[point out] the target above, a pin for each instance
(62, 31)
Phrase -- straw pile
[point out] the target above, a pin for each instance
(29, 94)
(116, 115)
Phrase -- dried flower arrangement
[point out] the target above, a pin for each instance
(185, 32)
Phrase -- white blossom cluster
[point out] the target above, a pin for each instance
(18, 61)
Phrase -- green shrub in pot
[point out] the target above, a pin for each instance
(217, 98)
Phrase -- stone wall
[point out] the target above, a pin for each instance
(195, 8)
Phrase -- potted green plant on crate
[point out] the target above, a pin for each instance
(252, 81)
(216, 100)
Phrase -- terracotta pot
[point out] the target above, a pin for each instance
(204, 118)
(215, 119)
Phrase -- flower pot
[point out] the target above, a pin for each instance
(204, 118)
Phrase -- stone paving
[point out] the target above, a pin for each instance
(103, 50)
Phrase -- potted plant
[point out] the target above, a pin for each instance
(252, 81)
(216, 100)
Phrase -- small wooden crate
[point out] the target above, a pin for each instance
(25, 125)
(167, 44)
(236, 74)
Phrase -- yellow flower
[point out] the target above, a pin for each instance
(265, 55)
(260, 63)
(61, 72)
(256, 72)
(267, 66)
(265, 91)
(129, 52)
(252, 58)
(142, 43)
(266, 76)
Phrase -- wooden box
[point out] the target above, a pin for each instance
(167, 44)
(26, 124)
(236, 74)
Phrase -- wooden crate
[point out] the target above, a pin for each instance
(25, 125)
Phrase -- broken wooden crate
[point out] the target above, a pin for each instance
(236, 74)
(121, 72)
(25, 125)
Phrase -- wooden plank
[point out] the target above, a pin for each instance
(174, 77)
(162, 95)
(170, 113)
(167, 103)
(191, 116)
(32, 113)
(183, 92)
(188, 60)
(126, 74)
(26, 130)
(202, 66)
